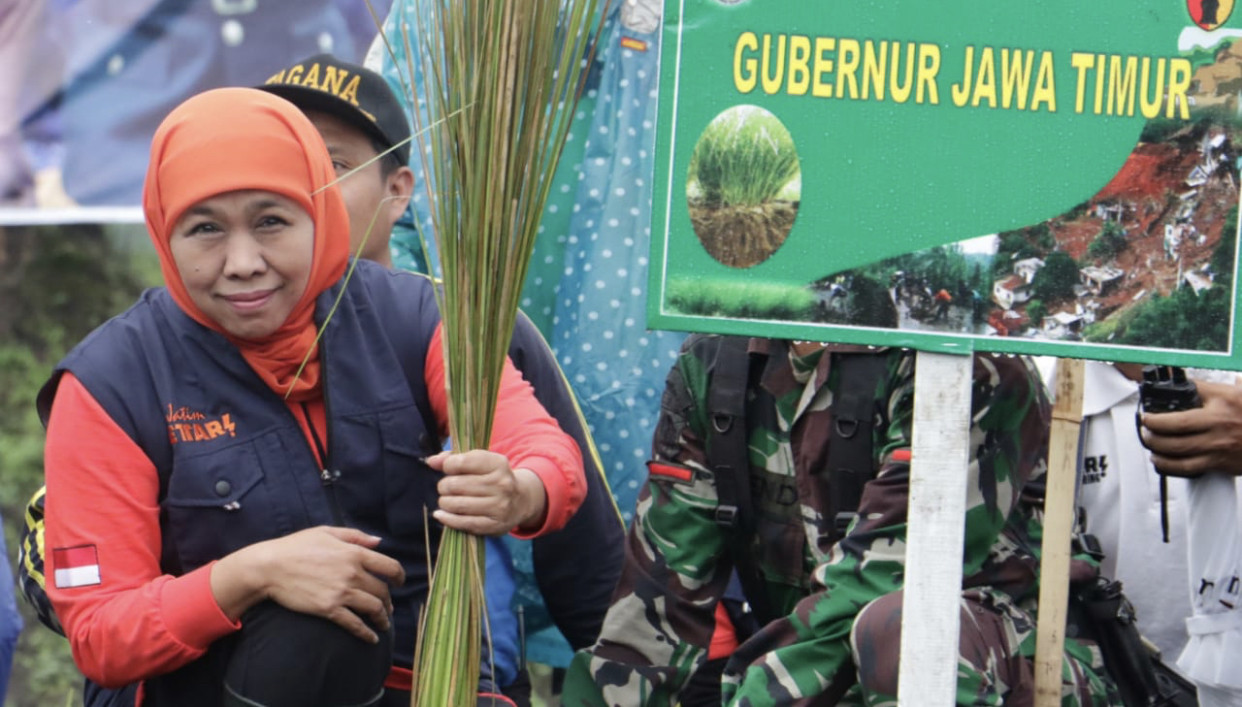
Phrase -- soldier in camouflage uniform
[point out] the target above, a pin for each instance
(836, 604)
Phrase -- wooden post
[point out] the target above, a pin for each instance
(936, 525)
(1058, 527)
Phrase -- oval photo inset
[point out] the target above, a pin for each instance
(743, 186)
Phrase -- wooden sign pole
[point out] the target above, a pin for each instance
(1058, 528)
(936, 525)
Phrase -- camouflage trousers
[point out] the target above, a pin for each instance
(994, 667)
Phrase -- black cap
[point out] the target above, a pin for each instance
(348, 91)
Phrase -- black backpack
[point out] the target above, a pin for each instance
(849, 466)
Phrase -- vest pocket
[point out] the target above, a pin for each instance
(410, 483)
(383, 484)
(217, 503)
(411, 489)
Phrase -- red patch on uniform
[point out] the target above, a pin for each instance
(668, 471)
(637, 45)
(901, 455)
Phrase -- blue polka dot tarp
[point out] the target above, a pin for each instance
(586, 288)
(599, 331)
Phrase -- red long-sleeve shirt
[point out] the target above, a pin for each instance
(103, 493)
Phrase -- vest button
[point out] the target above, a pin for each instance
(223, 487)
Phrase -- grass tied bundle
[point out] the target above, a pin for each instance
(501, 80)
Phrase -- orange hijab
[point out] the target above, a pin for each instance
(231, 139)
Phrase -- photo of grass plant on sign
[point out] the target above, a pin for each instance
(743, 186)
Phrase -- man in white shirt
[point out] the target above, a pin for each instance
(1204, 445)
(1120, 493)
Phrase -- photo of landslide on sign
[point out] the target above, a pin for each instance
(1147, 261)
(743, 186)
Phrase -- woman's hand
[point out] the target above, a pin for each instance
(330, 572)
(482, 495)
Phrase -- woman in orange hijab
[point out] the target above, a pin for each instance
(238, 466)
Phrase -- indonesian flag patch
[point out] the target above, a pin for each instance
(76, 566)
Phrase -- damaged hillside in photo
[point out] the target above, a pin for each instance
(1146, 261)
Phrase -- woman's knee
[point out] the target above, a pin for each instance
(284, 657)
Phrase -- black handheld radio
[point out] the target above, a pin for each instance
(1166, 389)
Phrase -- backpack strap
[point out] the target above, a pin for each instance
(728, 451)
(850, 449)
(728, 456)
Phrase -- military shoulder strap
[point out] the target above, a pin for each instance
(850, 450)
(728, 456)
(728, 452)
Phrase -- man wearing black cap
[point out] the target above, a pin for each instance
(359, 118)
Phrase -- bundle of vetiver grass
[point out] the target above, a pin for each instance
(501, 80)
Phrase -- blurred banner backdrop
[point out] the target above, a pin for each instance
(84, 83)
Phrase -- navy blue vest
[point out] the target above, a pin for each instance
(235, 467)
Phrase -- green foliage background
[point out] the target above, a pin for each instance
(56, 284)
(1184, 319)
(1108, 243)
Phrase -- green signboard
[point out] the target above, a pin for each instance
(1046, 177)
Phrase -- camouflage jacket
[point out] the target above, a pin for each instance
(679, 559)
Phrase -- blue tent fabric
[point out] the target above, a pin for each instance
(588, 276)
(616, 365)
(404, 73)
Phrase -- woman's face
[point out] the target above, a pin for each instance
(245, 258)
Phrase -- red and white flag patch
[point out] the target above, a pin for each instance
(76, 566)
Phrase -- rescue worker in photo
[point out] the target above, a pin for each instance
(235, 505)
(787, 464)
